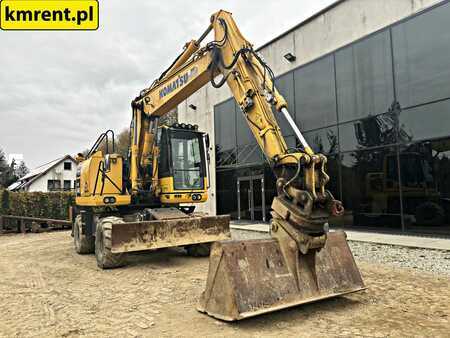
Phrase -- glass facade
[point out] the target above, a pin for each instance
(364, 78)
(285, 85)
(225, 133)
(421, 48)
(379, 108)
(315, 94)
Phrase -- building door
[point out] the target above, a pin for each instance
(251, 199)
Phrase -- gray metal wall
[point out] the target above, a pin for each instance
(348, 21)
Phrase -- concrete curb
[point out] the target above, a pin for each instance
(369, 237)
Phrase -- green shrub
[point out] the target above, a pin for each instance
(4, 202)
(36, 204)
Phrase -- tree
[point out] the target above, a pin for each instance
(3, 168)
(21, 170)
(123, 138)
(3, 163)
(123, 142)
(11, 177)
(7, 176)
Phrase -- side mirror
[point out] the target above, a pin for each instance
(207, 141)
(107, 163)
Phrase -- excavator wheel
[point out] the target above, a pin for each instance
(430, 214)
(198, 250)
(83, 244)
(105, 258)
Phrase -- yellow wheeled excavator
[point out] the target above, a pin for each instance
(142, 198)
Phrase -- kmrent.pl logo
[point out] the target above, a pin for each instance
(48, 15)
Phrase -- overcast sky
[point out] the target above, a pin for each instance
(59, 90)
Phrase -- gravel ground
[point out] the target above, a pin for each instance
(432, 261)
(47, 290)
(243, 234)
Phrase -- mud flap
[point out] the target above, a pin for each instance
(249, 278)
(147, 235)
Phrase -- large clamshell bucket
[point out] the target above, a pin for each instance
(252, 277)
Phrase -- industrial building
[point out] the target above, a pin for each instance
(368, 83)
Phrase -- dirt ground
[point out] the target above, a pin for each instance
(48, 290)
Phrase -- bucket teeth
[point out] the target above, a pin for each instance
(249, 278)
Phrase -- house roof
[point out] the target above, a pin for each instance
(15, 185)
(38, 172)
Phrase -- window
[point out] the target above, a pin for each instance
(248, 150)
(426, 185)
(315, 97)
(370, 189)
(226, 191)
(67, 165)
(323, 141)
(364, 78)
(67, 185)
(429, 121)
(332, 169)
(372, 131)
(53, 185)
(421, 57)
(285, 85)
(292, 142)
(249, 153)
(187, 160)
(225, 133)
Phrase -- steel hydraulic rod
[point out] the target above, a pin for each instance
(205, 33)
(297, 132)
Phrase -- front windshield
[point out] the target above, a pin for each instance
(187, 160)
(413, 171)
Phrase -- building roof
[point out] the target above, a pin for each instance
(15, 185)
(37, 172)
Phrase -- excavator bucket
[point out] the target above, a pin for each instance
(167, 231)
(253, 277)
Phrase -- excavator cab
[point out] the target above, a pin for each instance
(182, 169)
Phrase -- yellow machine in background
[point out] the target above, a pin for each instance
(142, 196)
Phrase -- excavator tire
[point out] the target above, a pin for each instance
(430, 214)
(83, 244)
(105, 258)
(199, 250)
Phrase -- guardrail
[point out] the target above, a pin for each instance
(22, 224)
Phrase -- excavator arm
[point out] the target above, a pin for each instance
(302, 198)
(163, 96)
(302, 262)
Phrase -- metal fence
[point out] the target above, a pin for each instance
(23, 224)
